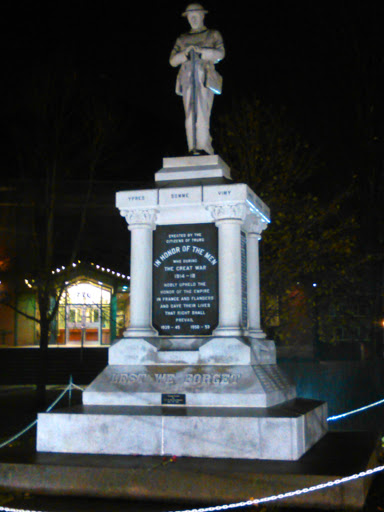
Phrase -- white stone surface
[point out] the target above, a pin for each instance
(263, 351)
(180, 196)
(141, 224)
(237, 193)
(101, 433)
(216, 385)
(178, 357)
(131, 351)
(193, 167)
(253, 283)
(181, 205)
(183, 214)
(209, 350)
(233, 207)
(197, 52)
(237, 400)
(230, 381)
(214, 432)
(130, 199)
(228, 221)
(225, 351)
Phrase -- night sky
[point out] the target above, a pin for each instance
(320, 60)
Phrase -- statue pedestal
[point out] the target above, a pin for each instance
(194, 374)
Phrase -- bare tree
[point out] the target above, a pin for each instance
(59, 131)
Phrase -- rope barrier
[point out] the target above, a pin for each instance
(77, 387)
(9, 441)
(267, 499)
(71, 386)
(290, 494)
(218, 508)
(58, 399)
(31, 425)
(7, 509)
(365, 407)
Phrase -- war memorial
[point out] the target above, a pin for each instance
(194, 375)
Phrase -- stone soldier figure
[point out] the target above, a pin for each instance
(197, 52)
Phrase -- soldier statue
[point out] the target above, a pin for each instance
(197, 52)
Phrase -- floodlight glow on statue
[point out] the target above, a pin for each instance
(197, 52)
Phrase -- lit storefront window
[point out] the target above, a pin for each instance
(84, 316)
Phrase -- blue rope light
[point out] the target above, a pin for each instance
(31, 425)
(344, 415)
(267, 499)
(242, 504)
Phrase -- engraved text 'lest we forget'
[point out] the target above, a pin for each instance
(215, 379)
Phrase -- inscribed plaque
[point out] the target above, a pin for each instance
(185, 279)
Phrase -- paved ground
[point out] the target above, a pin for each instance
(17, 409)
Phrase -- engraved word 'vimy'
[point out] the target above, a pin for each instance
(194, 374)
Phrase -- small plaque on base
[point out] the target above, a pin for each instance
(172, 399)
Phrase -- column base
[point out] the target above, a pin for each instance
(228, 331)
(139, 332)
(256, 333)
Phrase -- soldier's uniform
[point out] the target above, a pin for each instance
(207, 82)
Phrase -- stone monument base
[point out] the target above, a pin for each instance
(284, 432)
(194, 374)
(221, 372)
(210, 401)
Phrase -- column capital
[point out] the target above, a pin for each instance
(140, 218)
(254, 226)
(231, 212)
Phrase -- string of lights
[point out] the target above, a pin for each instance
(98, 267)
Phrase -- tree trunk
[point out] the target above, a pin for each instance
(42, 377)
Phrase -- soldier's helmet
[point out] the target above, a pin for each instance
(194, 8)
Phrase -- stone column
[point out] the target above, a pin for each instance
(255, 228)
(141, 223)
(228, 219)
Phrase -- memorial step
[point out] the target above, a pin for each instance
(283, 432)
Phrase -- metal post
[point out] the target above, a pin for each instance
(83, 327)
(70, 391)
